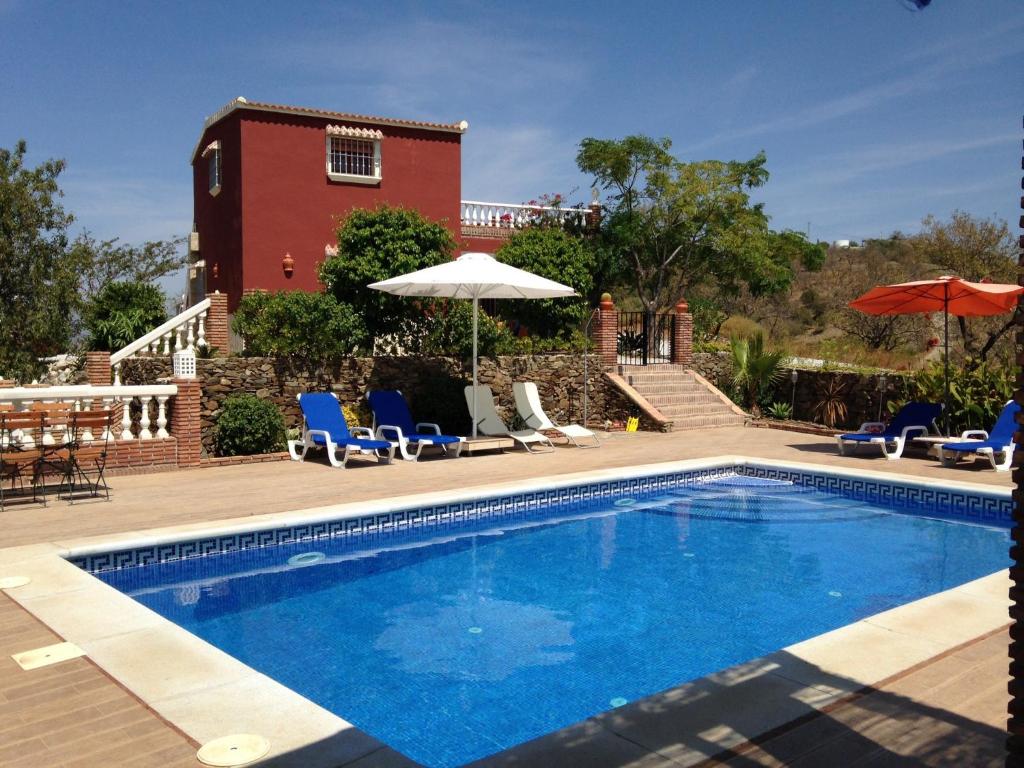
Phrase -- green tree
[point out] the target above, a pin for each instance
(974, 249)
(100, 262)
(556, 255)
(313, 327)
(679, 225)
(37, 291)
(375, 245)
(122, 312)
(878, 262)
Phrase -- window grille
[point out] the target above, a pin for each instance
(352, 156)
(214, 162)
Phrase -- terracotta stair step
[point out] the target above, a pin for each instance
(671, 412)
(706, 422)
(664, 401)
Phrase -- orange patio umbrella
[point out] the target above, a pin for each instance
(949, 295)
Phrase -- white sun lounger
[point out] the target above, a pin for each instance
(488, 422)
(532, 412)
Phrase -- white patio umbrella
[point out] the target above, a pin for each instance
(474, 276)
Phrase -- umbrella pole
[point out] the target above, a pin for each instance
(476, 302)
(945, 393)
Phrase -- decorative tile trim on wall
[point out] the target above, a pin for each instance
(915, 499)
(927, 500)
(441, 516)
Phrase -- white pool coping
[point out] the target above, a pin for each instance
(206, 693)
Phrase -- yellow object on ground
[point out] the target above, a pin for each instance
(632, 423)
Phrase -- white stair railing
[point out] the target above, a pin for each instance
(184, 331)
(511, 216)
(83, 396)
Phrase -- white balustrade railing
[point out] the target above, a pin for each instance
(184, 331)
(83, 396)
(510, 216)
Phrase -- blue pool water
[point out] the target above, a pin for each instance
(487, 636)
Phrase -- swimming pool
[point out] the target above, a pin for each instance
(456, 638)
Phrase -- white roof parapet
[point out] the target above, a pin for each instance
(241, 102)
(355, 133)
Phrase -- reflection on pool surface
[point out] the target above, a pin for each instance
(458, 647)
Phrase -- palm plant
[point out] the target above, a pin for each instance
(831, 408)
(754, 369)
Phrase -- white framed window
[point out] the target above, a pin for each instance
(212, 155)
(353, 154)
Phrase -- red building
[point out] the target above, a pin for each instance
(271, 181)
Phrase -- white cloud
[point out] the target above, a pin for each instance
(518, 163)
(840, 168)
(133, 209)
(936, 64)
(413, 68)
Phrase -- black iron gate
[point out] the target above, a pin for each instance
(644, 338)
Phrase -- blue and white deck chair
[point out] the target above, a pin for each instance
(324, 426)
(998, 442)
(392, 421)
(912, 420)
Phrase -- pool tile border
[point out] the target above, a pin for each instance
(969, 504)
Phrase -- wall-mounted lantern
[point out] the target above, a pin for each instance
(288, 265)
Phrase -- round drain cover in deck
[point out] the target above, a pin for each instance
(236, 749)
(10, 582)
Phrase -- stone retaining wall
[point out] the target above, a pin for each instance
(433, 386)
(858, 391)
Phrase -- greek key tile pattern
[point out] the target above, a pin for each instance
(928, 500)
(933, 501)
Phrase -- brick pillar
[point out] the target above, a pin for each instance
(186, 426)
(1015, 724)
(97, 368)
(217, 322)
(682, 335)
(593, 217)
(607, 329)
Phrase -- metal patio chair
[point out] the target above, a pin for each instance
(87, 447)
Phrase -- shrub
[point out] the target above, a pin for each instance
(122, 312)
(831, 408)
(357, 413)
(754, 369)
(744, 327)
(313, 327)
(779, 411)
(449, 331)
(556, 255)
(248, 425)
(976, 394)
(373, 246)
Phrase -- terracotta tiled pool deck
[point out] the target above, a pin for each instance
(949, 710)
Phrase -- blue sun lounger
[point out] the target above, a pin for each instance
(392, 421)
(988, 444)
(912, 420)
(324, 426)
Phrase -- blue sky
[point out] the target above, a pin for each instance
(871, 116)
